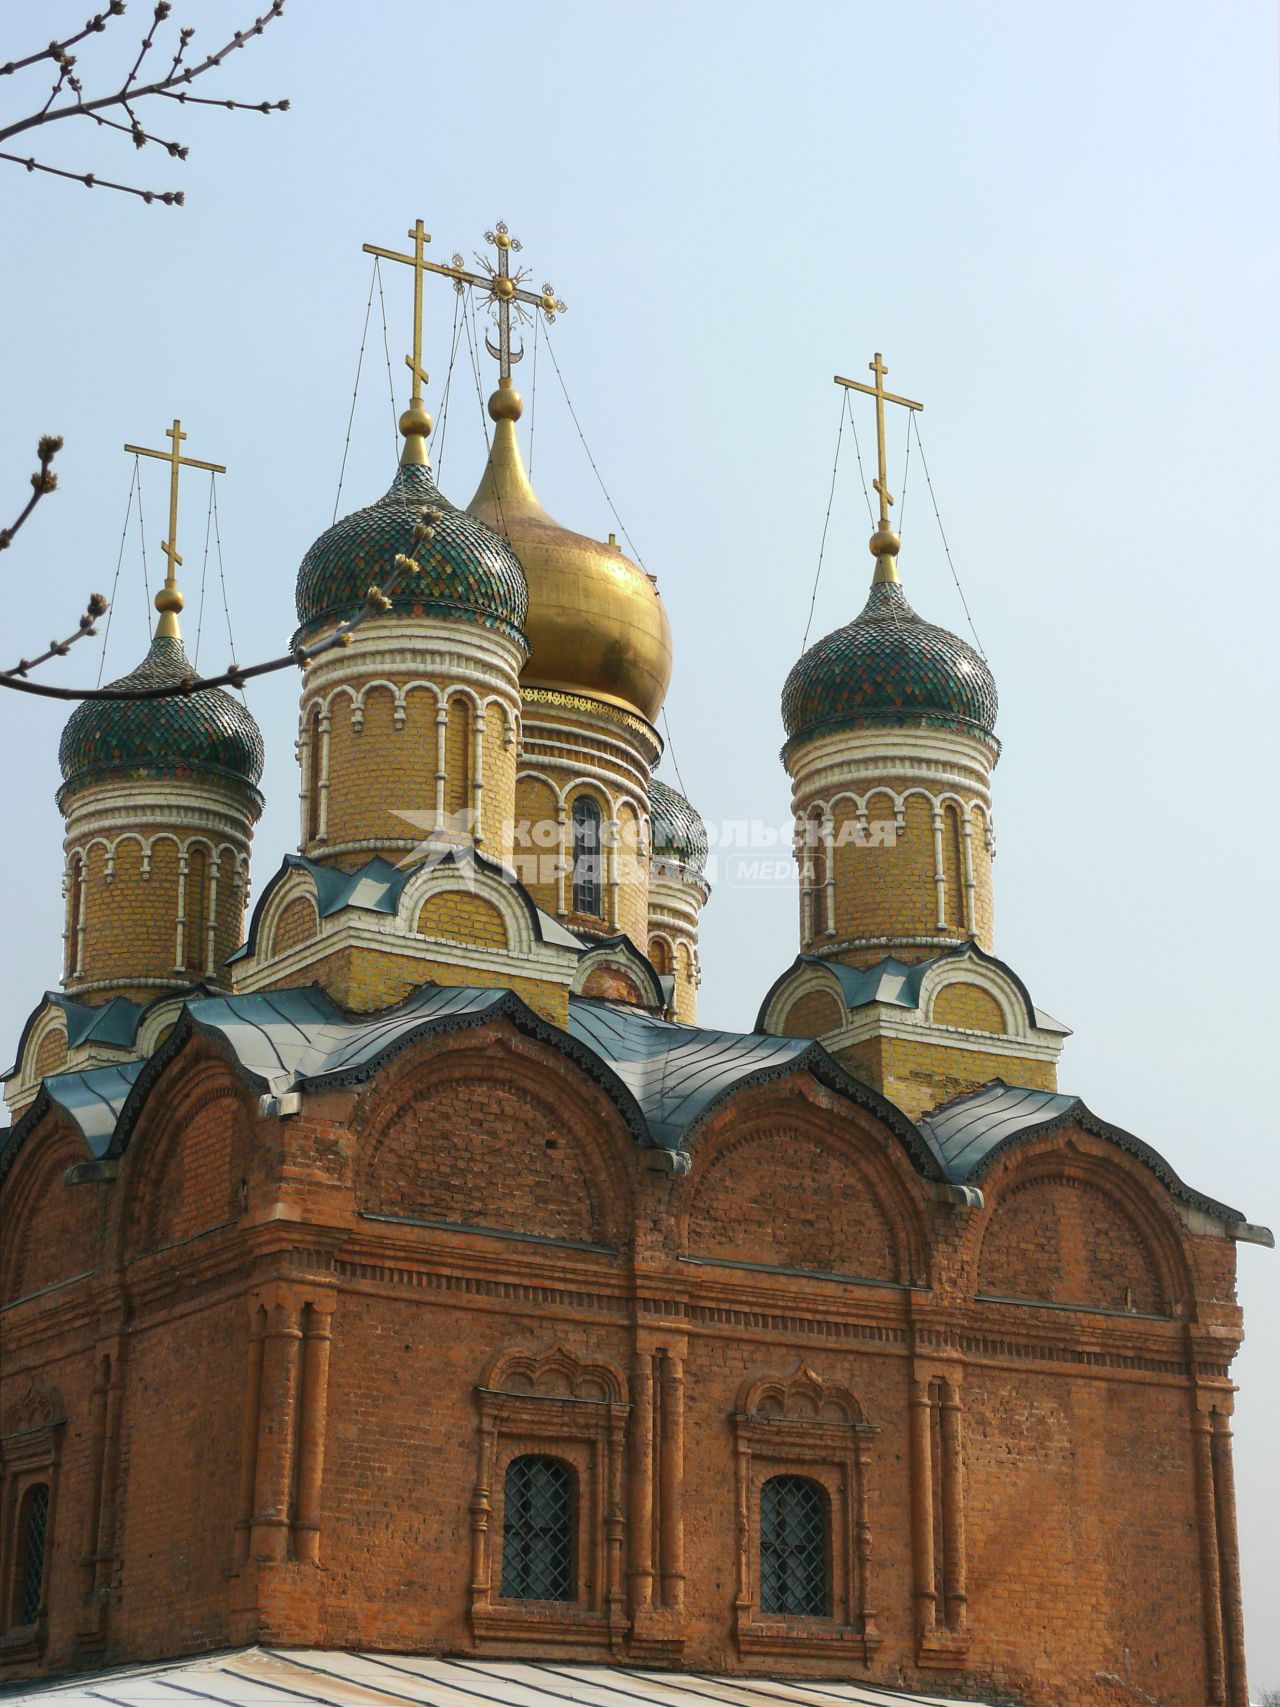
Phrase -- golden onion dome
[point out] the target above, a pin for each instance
(596, 624)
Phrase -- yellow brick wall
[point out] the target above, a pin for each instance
(918, 1077)
(297, 924)
(500, 758)
(381, 770)
(459, 917)
(686, 990)
(367, 980)
(51, 1057)
(459, 755)
(131, 921)
(813, 1015)
(633, 879)
(968, 1005)
(890, 891)
(534, 859)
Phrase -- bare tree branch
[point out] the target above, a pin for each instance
(43, 481)
(173, 85)
(377, 600)
(97, 607)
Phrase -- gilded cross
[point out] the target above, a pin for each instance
(881, 483)
(169, 600)
(506, 293)
(418, 261)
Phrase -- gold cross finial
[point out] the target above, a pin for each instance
(169, 600)
(506, 295)
(884, 542)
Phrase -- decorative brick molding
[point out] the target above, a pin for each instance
(817, 1428)
(552, 1401)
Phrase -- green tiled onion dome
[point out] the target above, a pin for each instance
(889, 666)
(202, 734)
(679, 834)
(467, 571)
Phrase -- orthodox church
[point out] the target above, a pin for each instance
(398, 1270)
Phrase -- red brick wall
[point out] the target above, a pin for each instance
(51, 1233)
(1080, 1495)
(1066, 1240)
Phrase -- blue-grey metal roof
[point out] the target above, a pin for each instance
(967, 1135)
(93, 1099)
(663, 1078)
(897, 982)
(676, 1071)
(376, 887)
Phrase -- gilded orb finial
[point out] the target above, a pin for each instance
(169, 601)
(506, 404)
(416, 426)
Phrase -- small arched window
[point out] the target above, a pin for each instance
(537, 1530)
(75, 913)
(33, 1531)
(794, 1576)
(313, 774)
(195, 935)
(660, 956)
(588, 858)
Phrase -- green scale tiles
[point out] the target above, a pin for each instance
(889, 666)
(467, 571)
(679, 834)
(190, 734)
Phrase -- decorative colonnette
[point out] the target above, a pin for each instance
(574, 747)
(894, 839)
(409, 732)
(155, 883)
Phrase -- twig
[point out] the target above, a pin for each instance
(174, 85)
(59, 648)
(42, 483)
(377, 600)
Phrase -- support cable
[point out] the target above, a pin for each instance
(368, 310)
(448, 381)
(142, 535)
(386, 345)
(484, 413)
(204, 570)
(106, 633)
(222, 578)
(826, 522)
(924, 463)
(533, 391)
(551, 350)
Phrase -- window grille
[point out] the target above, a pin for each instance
(588, 858)
(33, 1531)
(537, 1530)
(793, 1547)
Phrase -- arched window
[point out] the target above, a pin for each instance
(33, 1529)
(537, 1530)
(660, 956)
(194, 939)
(793, 1547)
(75, 913)
(816, 836)
(313, 774)
(588, 858)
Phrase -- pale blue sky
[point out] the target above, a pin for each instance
(1059, 224)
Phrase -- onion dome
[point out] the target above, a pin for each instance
(596, 624)
(205, 734)
(679, 835)
(466, 571)
(889, 666)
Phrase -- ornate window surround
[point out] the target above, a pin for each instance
(30, 1452)
(552, 1403)
(805, 1425)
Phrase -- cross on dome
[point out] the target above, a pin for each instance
(169, 600)
(884, 542)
